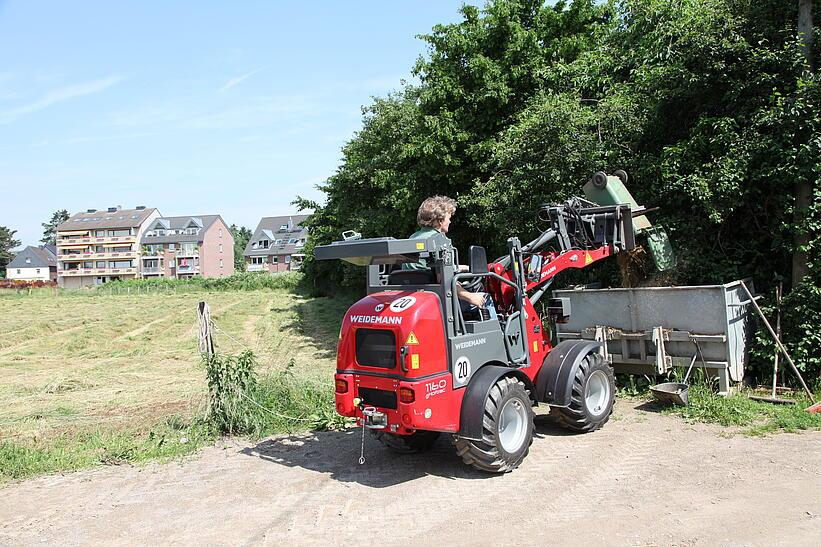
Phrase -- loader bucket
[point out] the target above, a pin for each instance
(610, 190)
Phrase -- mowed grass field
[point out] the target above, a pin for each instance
(96, 375)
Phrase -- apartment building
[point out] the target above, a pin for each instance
(34, 264)
(276, 244)
(187, 246)
(95, 247)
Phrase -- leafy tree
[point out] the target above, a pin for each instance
(50, 227)
(708, 104)
(7, 243)
(241, 236)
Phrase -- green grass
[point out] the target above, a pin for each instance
(739, 411)
(169, 439)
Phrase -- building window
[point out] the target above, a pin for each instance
(119, 233)
(120, 264)
(220, 247)
(188, 248)
(220, 232)
(220, 263)
(101, 263)
(274, 260)
(28, 260)
(291, 241)
(100, 233)
(171, 247)
(18, 271)
(264, 243)
(287, 259)
(257, 260)
(38, 270)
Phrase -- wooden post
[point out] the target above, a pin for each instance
(206, 339)
(777, 333)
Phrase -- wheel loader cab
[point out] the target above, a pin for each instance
(406, 351)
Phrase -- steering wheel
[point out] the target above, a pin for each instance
(475, 284)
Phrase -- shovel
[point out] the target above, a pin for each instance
(674, 392)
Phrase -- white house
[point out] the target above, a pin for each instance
(34, 264)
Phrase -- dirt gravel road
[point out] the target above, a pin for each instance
(644, 479)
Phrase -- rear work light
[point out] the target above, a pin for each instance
(406, 395)
(341, 385)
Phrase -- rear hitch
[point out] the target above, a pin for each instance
(374, 419)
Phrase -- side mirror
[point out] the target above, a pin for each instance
(478, 259)
(534, 268)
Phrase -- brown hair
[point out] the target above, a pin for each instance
(434, 210)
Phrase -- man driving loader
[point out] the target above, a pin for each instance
(434, 216)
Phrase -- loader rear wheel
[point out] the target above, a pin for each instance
(418, 441)
(592, 397)
(507, 429)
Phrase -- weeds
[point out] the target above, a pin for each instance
(240, 403)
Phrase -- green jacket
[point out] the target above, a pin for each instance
(422, 233)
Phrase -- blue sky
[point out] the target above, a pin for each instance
(191, 107)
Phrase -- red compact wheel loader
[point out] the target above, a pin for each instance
(411, 363)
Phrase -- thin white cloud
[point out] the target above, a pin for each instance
(239, 79)
(57, 96)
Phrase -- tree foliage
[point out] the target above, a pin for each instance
(7, 243)
(708, 104)
(50, 227)
(241, 236)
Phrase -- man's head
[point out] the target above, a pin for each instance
(435, 213)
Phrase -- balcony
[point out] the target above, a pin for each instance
(256, 267)
(93, 240)
(97, 256)
(97, 271)
(188, 269)
(152, 270)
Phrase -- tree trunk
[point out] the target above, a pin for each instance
(803, 188)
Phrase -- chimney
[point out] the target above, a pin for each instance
(119, 207)
(290, 224)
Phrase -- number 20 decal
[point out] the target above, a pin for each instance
(402, 304)
(462, 370)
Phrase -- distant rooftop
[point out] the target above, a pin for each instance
(112, 217)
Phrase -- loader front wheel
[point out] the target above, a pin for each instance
(419, 441)
(592, 396)
(507, 429)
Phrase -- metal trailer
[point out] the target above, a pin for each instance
(650, 330)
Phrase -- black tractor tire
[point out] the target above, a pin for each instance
(490, 454)
(577, 416)
(419, 441)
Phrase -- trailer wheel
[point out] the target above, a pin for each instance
(418, 441)
(592, 397)
(507, 429)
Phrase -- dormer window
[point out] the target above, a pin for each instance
(264, 243)
(28, 260)
(283, 228)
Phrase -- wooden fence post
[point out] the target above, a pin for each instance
(206, 339)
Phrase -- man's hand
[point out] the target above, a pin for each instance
(475, 298)
(463, 268)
